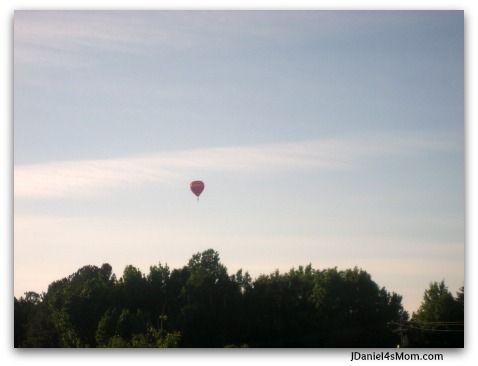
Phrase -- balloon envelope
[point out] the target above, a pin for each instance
(197, 187)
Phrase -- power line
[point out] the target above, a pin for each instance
(410, 326)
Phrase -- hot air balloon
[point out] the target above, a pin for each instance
(197, 187)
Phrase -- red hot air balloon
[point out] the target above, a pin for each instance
(197, 187)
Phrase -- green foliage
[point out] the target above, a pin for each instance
(355, 310)
(234, 346)
(148, 338)
(439, 321)
(77, 303)
(201, 305)
(438, 304)
(32, 323)
(280, 304)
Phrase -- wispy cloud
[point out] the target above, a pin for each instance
(63, 38)
(59, 38)
(84, 177)
(51, 37)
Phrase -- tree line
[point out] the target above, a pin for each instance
(200, 305)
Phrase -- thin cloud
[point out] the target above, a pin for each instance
(85, 177)
(54, 37)
(89, 176)
(60, 38)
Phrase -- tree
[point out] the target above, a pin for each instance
(201, 305)
(440, 318)
(279, 311)
(77, 303)
(157, 289)
(25, 309)
(208, 314)
(460, 304)
(354, 311)
(128, 329)
(132, 289)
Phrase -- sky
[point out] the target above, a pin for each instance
(334, 138)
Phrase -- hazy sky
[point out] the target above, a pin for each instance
(334, 138)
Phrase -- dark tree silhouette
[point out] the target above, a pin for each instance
(201, 305)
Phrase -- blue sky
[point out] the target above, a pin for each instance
(330, 138)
